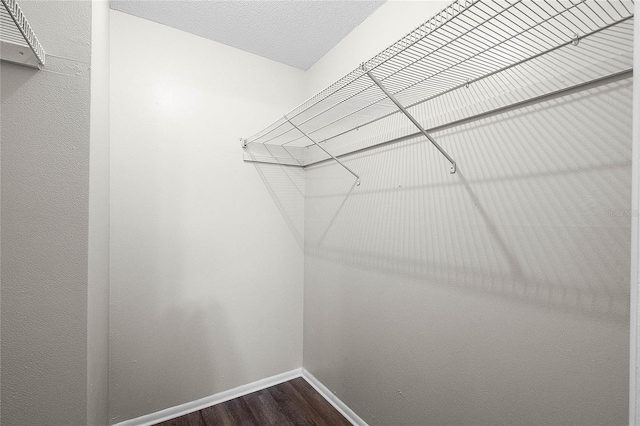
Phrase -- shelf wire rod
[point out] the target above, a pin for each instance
(603, 45)
(494, 54)
(536, 13)
(625, 7)
(448, 40)
(522, 31)
(586, 16)
(445, 43)
(520, 48)
(346, 81)
(407, 85)
(411, 118)
(415, 104)
(355, 91)
(474, 80)
(281, 133)
(605, 11)
(534, 40)
(319, 114)
(567, 25)
(377, 100)
(269, 129)
(496, 35)
(598, 15)
(23, 26)
(609, 43)
(325, 151)
(480, 40)
(502, 42)
(552, 4)
(471, 46)
(620, 32)
(428, 32)
(483, 48)
(495, 28)
(507, 20)
(549, 20)
(481, 115)
(616, 10)
(471, 17)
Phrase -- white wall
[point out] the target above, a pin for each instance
(634, 358)
(498, 295)
(392, 21)
(45, 189)
(98, 290)
(206, 251)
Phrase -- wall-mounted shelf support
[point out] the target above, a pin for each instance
(18, 43)
(410, 117)
(472, 58)
(322, 148)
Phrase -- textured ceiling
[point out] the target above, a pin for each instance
(296, 33)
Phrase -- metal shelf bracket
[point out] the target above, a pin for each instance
(378, 83)
(439, 76)
(325, 151)
(18, 43)
(576, 39)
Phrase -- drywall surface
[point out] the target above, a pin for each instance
(45, 187)
(392, 21)
(98, 290)
(634, 354)
(497, 295)
(206, 251)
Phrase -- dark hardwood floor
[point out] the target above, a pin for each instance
(291, 403)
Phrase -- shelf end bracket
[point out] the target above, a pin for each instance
(415, 122)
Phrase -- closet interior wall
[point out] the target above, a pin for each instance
(45, 134)
(206, 272)
(99, 221)
(634, 359)
(498, 295)
(495, 295)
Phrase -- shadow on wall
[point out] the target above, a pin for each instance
(178, 338)
(539, 210)
(286, 187)
(171, 339)
(19, 75)
(178, 346)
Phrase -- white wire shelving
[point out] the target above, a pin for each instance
(18, 43)
(472, 58)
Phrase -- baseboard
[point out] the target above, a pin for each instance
(199, 404)
(189, 407)
(347, 412)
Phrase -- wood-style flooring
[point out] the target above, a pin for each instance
(291, 403)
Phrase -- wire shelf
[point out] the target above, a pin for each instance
(473, 57)
(18, 43)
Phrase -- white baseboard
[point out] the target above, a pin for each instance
(199, 404)
(347, 412)
(190, 407)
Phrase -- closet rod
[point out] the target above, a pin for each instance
(326, 152)
(499, 110)
(410, 117)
